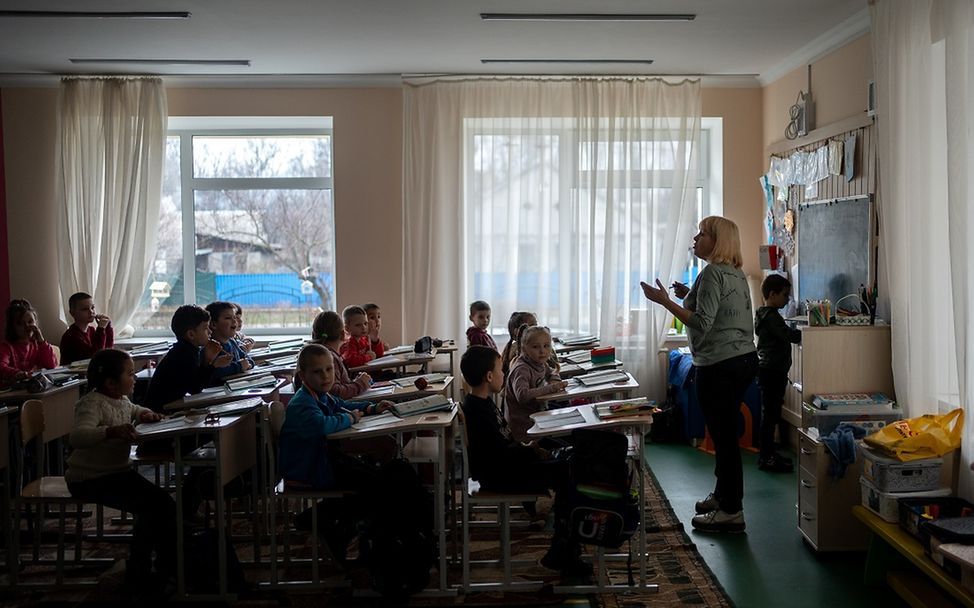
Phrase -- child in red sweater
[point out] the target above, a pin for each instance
(24, 350)
(358, 349)
(329, 331)
(81, 341)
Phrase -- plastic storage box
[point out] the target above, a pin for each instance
(892, 475)
(885, 504)
(916, 510)
(946, 530)
(872, 418)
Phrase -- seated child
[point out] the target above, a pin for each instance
(774, 360)
(190, 363)
(358, 349)
(81, 340)
(480, 317)
(24, 349)
(502, 464)
(374, 314)
(518, 320)
(223, 328)
(99, 469)
(246, 343)
(306, 458)
(530, 378)
(329, 331)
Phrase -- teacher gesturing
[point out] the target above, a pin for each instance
(720, 327)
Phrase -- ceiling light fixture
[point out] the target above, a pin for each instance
(237, 62)
(586, 17)
(629, 61)
(96, 14)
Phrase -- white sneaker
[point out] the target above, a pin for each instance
(719, 521)
(707, 504)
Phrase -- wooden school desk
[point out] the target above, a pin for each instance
(429, 449)
(561, 349)
(59, 402)
(8, 533)
(234, 452)
(577, 390)
(220, 394)
(634, 427)
(404, 393)
(570, 370)
(400, 361)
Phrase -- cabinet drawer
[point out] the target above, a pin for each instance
(807, 491)
(807, 453)
(808, 523)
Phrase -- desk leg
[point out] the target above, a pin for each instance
(640, 438)
(440, 486)
(180, 531)
(221, 522)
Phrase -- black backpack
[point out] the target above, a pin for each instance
(399, 543)
(602, 509)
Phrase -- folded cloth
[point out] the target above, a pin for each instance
(841, 446)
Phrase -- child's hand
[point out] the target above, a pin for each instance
(21, 376)
(150, 417)
(363, 380)
(245, 365)
(356, 415)
(34, 334)
(383, 406)
(125, 432)
(373, 334)
(223, 360)
(247, 345)
(212, 350)
(103, 321)
(559, 386)
(369, 355)
(680, 290)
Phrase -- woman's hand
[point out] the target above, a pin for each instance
(150, 417)
(656, 294)
(680, 290)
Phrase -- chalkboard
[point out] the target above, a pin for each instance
(834, 249)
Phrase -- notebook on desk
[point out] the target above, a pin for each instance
(248, 382)
(432, 403)
(604, 377)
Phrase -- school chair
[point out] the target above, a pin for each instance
(281, 494)
(57, 354)
(46, 491)
(473, 497)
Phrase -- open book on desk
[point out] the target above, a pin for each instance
(149, 348)
(623, 408)
(400, 350)
(248, 382)
(578, 340)
(285, 344)
(603, 377)
(411, 380)
(432, 403)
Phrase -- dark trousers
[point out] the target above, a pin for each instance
(720, 389)
(155, 517)
(773, 383)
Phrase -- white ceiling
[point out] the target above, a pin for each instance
(312, 40)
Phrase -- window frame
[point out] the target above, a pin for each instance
(188, 128)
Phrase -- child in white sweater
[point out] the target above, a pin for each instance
(100, 471)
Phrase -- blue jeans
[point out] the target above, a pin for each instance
(720, 389)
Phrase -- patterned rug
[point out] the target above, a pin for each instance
(673, 563)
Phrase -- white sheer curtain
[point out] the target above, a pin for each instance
(925, 96)
(111, 149)
(554, 196)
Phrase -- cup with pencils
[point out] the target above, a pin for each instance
(819, 312)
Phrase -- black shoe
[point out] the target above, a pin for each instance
(774, 464)
(784, 458)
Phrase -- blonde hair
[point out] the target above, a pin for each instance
(529, 333)
(727, 240)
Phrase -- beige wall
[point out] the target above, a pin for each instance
(743, 163)
(368, 180)
(839, 83)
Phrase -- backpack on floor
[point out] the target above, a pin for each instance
(203, 563)
(398, 543)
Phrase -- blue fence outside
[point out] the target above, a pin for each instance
(268, 290)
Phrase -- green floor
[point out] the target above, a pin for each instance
(770, 565)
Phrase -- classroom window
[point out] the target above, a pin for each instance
(247, 215)
(534, 227)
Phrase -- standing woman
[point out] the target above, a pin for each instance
(720, 327)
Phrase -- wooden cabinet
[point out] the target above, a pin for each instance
(837, 359)
(833, 359)
(825, 504)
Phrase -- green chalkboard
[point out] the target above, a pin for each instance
(834, 248)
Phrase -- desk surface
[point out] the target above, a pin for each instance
(22, 395)
(393, 361)
(912, 550)
(570, 370)
(402, 393)
(182, 426)
(577, 390)
(420, 422)
(591, 421)
(221, 395)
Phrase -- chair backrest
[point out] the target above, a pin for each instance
(276, 419)
(31, 421)
(57, 355)
(272, 432)
(466, 481)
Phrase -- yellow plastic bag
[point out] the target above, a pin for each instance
(928, 436)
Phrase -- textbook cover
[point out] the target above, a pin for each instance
(433, 403)
(623, 408)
